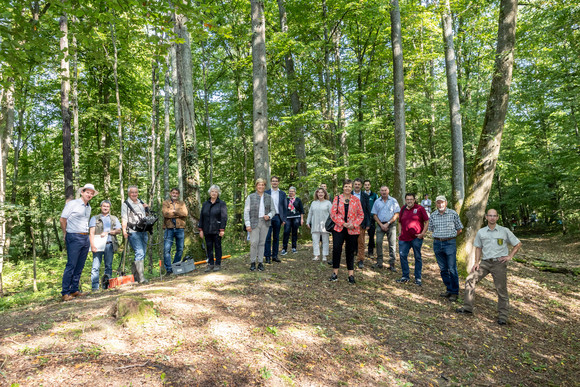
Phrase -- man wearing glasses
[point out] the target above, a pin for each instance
(491, 256)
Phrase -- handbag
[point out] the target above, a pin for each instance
(329, 224)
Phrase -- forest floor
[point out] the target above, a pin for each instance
(290, 326)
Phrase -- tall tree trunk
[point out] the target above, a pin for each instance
(152, 150)
(340, 127)
(329, 116)
(75, 111)
(167, 133)
(206, 110)
(260, 94)
(65, 110)
(458, 192)
(6, 127)
(119, 114)
(55, 229)
(299, 135)
(487, 154)
(400, 176)
(238, 197)
(177, 114)
(184, 86)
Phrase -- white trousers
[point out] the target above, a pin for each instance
(316, 243)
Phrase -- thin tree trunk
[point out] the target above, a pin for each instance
(153, 179)
(167, 133)
(329, 116)
(400, 176)
(54, 226)
(65, 110)
(6, 127)
(242, 133)
(260, 116)
(75, 111)
(490, 141)
(119, 116)
(431, 99)
(458, 191)
(299, 135)
(206, 111)
(33, 241)
(340, 127)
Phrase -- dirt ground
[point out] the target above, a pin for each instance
(290, 326)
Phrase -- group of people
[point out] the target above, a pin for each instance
(347, 217)
(355, 212)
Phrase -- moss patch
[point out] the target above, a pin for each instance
(132, 310)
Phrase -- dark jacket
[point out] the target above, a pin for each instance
(365, 202)
(282, 210)
(298, 208)
(214, 217)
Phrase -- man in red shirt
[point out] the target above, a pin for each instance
(413, 222)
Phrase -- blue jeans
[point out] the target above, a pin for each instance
(169, 234)
(271, 249)
(77, 248)
(138, 242)
(404, 247)
(97, 258)
(446, 254)
(292, 225)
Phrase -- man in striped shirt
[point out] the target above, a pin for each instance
(446, 226)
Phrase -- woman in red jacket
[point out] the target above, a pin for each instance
(347, 215)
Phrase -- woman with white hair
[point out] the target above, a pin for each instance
(212, 226)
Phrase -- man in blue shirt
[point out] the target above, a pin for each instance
(279, 220)
(74, 223)
(386, 212)
(103, 226)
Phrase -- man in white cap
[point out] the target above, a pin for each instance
(445, 225)
(74, 222)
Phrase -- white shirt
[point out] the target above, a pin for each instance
(262, 208)
(275, 193)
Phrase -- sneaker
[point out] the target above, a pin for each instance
(360, 265)
(418, 282)
(260, 266)
(501, 322)
(209, 268)
(445, 294)
(403, 280)
(253, 266)
(453, 298)
(333, 278)
(284, 252)
(217, 267)
(293, 250)
(351, 279)
(462, 310)
(316, 258)
(324, 259)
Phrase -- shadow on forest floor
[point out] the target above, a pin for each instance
(290, 326)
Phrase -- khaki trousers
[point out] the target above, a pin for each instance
(361, 244)
(257, 241)
(498, 271)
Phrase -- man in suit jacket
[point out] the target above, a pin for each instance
(279, 199)
(364, 200)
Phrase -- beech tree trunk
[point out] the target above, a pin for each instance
(340, 127)
(178, 120)
(65, 111)
(400, 175)
(6, 127)
(206, 111)
(299, 134)
(167, 133)
(458, 191)
(329, 111)
(75, 112)
(119, 116)
(260, 93)
(481, 177)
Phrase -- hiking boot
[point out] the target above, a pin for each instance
(462, 310)
(67, 297)
(78, 294)
(209, 268)
(316, 258)
(284, 252)
(360, 265)
(445, 294)
(276, 259)
(253, 266)
(453, 298)
(333, 277)
(403, 280)
(217, 267)
(260, 266)
(351, 280)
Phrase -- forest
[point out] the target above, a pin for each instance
(477, 100)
